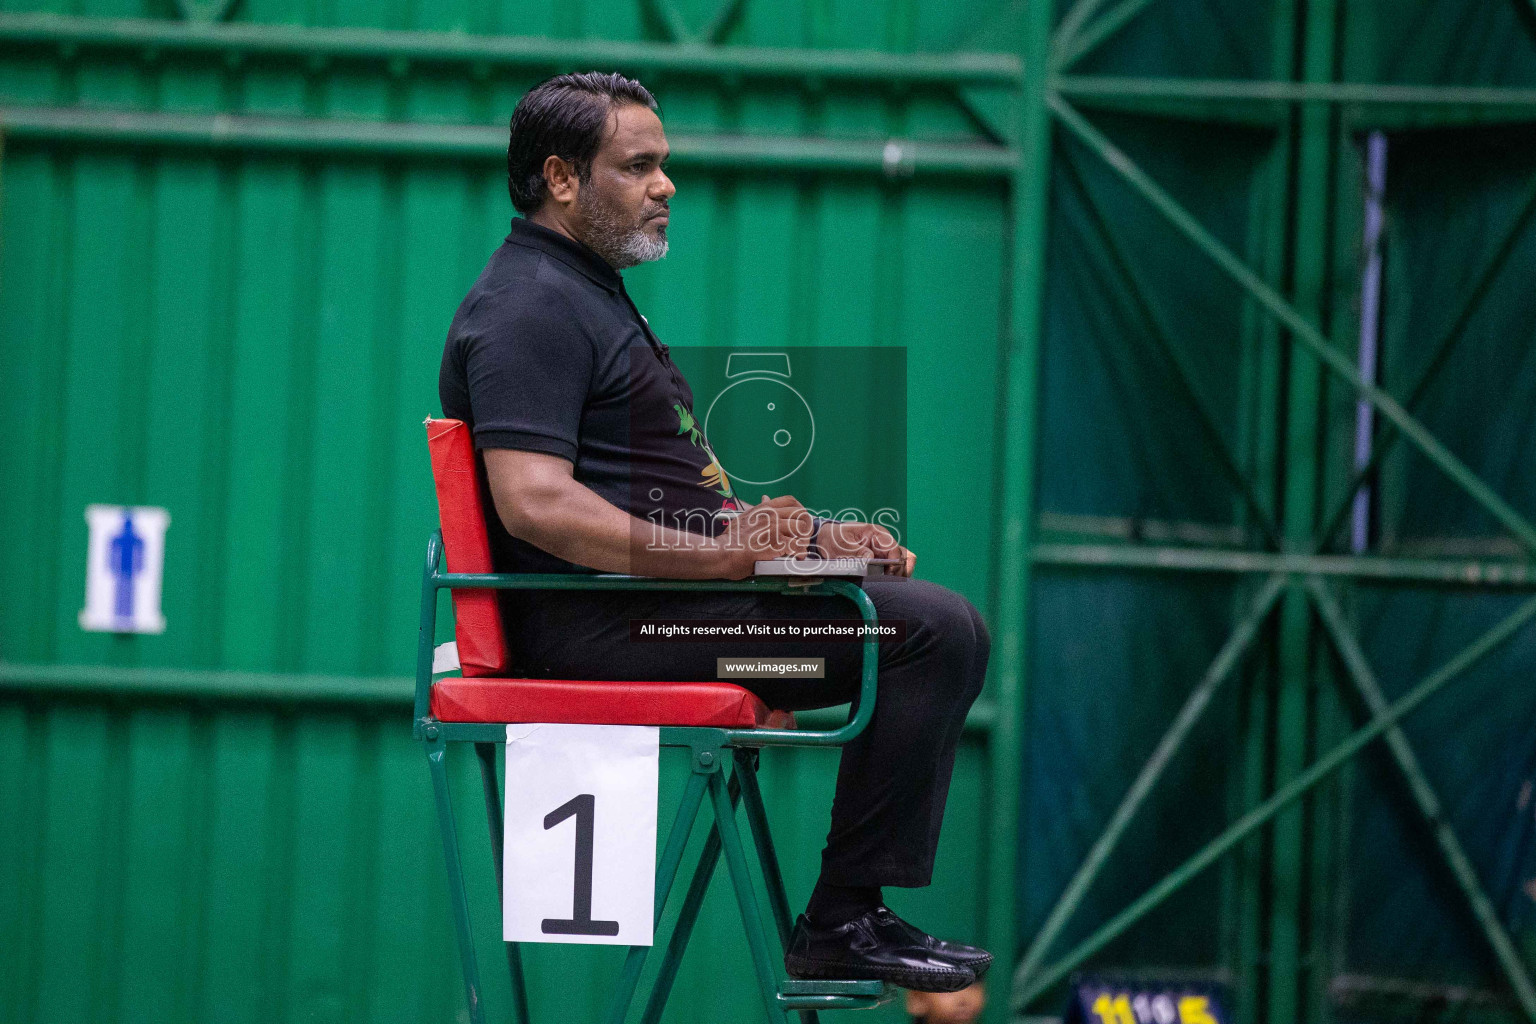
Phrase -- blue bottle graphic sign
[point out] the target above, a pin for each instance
(124, 559)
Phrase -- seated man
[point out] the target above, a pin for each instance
(589, 446)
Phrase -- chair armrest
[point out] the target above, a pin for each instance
(434, 579)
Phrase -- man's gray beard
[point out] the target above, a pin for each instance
(619, 243)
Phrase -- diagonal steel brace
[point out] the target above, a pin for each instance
(1266, 809)
(1300, 328)
(1221, 668)
(1424, 796)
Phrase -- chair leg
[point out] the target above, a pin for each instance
(436, 751)
(746, 900)
(767, 855)
(666, 873)
(486, 752)
(682, 931)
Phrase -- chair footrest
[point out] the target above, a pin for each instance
(818, 994)
(837, 987)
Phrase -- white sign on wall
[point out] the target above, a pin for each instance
(123, 562)
(579, 861)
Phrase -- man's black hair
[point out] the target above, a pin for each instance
(564, 116)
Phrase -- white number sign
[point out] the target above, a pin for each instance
(579, 859)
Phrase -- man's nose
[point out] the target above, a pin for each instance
(664, 188)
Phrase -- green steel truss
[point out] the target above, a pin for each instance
(1295, 598)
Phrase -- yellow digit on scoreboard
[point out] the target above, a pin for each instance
(1115, 1010)
(1195, 1010)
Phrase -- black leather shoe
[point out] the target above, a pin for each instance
(873, 946)
(974, 957)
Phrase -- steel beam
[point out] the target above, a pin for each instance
(480, 53)
(1028, 209)
(1090, 38)
(719, 25)
(1362, 94)
(1428, 802)
(894, 158)
(1438, 572)
(1406, 117)
(669, 18)
(1290, 866)
(1267, 116)
(215, 685)
(1076, 17)
(1264, 104)
(1268, 247)
(986, 122)
(1282, 798)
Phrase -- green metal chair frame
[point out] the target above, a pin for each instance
(709, 749)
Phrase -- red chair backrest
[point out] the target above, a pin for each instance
(467, 548)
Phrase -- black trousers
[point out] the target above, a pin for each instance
(893, 780)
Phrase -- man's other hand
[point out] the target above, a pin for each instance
(864, 540)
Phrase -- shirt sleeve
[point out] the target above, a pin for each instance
(529, 373)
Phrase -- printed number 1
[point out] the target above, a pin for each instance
(580, 922)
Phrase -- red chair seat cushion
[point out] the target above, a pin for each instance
(584, 702)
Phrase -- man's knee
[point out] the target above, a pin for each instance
(957, 619)
(937, 615)
(983, 634)
(967, 632)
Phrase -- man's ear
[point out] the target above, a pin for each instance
(560, 179)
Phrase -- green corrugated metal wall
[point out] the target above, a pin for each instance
(230, 822)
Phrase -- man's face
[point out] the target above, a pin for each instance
(622, 209)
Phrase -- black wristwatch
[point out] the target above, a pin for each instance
(817, 522)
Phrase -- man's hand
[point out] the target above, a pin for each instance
(864, 540)
(773, 528)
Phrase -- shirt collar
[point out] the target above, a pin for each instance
(567, 250)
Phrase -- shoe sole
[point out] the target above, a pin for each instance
(978, 967)
(918, 981)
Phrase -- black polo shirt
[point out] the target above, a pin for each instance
(547, 353)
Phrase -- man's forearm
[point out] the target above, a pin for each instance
(573, 522)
